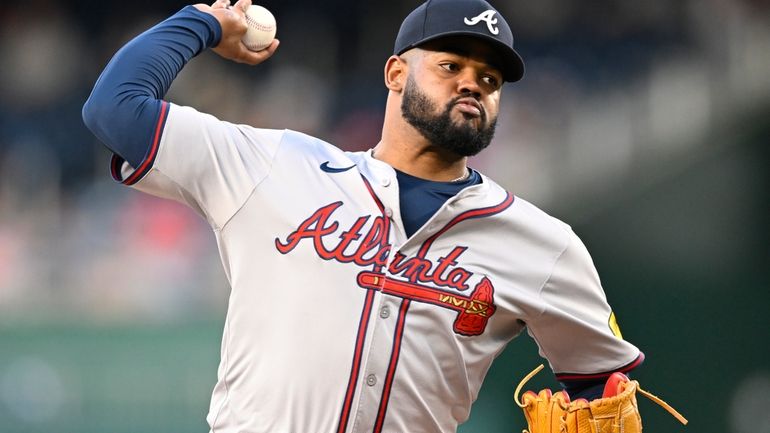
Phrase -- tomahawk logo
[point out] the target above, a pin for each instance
(473, 311)
(486, 16)
(415, 278)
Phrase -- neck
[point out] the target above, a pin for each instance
(423, 163)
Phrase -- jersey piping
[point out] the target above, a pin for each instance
(394, 356)
(364, 322)
(149, 159)
(624, 369)
(421, 294)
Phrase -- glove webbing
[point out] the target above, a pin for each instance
(647, 394)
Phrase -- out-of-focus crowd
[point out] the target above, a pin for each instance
(613, 91)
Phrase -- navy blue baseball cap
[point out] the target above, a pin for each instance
(436, 19)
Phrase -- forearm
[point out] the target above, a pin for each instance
(125, 104)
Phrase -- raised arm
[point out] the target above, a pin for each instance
(125, 108)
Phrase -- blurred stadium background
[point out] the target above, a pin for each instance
(645, 125)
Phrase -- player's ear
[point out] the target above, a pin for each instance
(395, 73)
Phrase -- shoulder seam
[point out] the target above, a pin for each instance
(558, 257)
(256, 185)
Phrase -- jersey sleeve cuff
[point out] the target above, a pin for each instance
(603, 375)
(128, 177)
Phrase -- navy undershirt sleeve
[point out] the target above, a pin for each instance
(587, 389)
(125, 104)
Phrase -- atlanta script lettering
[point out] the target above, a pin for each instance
(353, 245)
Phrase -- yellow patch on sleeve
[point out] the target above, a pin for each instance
(614, 326)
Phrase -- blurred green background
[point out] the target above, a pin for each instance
(643, 125)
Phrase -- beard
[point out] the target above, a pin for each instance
(461, 138)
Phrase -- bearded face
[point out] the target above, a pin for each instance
(461, 137)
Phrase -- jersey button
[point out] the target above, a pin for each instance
(371, 380)
(385, 312)
(385, 182)
(388, 212)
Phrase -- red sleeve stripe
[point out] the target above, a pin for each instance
(625, 369)
(149, 160)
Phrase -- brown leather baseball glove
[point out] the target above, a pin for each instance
(615, 412)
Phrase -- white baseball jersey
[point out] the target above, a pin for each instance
(339, 322)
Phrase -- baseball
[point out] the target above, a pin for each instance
(261, 28)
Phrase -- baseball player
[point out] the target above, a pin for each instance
(370, 291)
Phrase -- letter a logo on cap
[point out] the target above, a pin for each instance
(488, 17)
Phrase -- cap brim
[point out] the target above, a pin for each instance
(511, 62)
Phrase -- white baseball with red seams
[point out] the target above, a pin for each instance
(261, 28)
